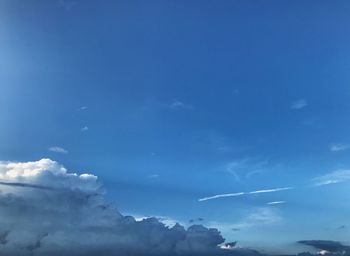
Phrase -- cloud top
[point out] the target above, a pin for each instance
(46, 210)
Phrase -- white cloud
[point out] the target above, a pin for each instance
(332, 178)
(339, 147)
(46, 210)
(176, 104)
(299, 104)
(85, 129)
(167, 221)
(153, 176)
(58, 150)
(82, 108)
(246, 168)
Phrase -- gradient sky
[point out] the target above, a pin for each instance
(168, 102)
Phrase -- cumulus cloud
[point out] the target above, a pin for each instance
(299, 104)
(57, 149)
(332, 178)
(46, 210)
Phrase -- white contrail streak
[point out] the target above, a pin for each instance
(276, 202)
(243, 193)
(269, 190)
(222, 195)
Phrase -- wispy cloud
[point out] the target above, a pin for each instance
(260, 216)
(58, 150)
(67, 4)
(246, 168)
(256, 217)
(153, 176)
(339, 147)
(176, 104)
(244, 193)
(276, 202)
(332, 178)
(82, 108)
(85, 129)
(299, 104)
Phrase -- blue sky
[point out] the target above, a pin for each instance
(168, 102)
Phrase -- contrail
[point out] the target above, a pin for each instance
(269, 190)
(244, 193)
(222, 195)
(26, 185)
(276, 202)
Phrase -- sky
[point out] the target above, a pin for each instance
(230, 114)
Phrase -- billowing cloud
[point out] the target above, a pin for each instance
(46, 210)
(332, 178)
(57, 149)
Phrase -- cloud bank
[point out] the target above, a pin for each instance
(46, 210)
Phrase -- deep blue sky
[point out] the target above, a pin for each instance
(188, 99)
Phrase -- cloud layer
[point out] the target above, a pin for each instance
(46, 210)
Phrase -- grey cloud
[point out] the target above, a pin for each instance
(331, 246)
(46, 210)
